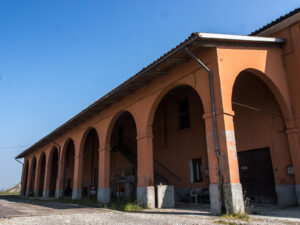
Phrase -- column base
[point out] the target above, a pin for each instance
(28, 194)
(103, 195)
(286, 194)
(165, 196)
(46, 193)
(76, 194)
(59, 193)
(23, 193)
(233, 197)
(297, 189)
(215, 199)
(36, 194)
(146, 196)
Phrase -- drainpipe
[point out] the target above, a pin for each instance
(212, 99)
(19, 161)
(213, 113)
(57, 145)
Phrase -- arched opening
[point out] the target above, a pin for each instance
(32, 177)
(42, 167)
(179, 145)
(90, 164)
(262, 145)
(68, 168)
(53, 172)
(123, 165)
(25, 177)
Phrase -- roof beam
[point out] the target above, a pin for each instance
(178, 60)
(156, 73)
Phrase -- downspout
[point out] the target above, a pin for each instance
(213, 114)
(19, 161)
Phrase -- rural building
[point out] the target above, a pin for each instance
(218, 114)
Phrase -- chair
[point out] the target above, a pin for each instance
(195, 193)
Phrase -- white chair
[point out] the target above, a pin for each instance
(194, 193)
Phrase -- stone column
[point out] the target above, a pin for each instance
(46, 190)
(24, 177)
(292, 134)
(225, 184)
(36, 182)
(213, 167)
(29, 179)
(103, 193)
(77, 183)
(145, 189)
(59, 190)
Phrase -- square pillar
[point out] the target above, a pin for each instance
(145, 189)
(46, 190)
(59, 190)
(24, 177)
(225, 188)
(28, 181)
(77, 183)
(103, 192)
(292, 134)
(36, 182)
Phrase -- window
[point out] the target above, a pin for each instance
(196, 170)
(184, 114)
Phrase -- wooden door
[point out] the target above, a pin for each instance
(256, 175)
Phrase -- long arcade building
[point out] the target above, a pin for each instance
(218, 113)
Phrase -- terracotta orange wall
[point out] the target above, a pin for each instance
(225, 62)
(291, 59)
(173, 147)
(260, 129)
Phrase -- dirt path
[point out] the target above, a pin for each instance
(20, 211)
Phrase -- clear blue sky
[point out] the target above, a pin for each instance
(59, 56)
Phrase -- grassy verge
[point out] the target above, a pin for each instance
(9, 193)
(126, 205)
(233, 218)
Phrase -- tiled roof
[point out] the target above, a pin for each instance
(273, 23)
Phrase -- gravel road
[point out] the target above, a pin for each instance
(20, 211)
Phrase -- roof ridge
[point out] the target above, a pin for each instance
(274, 22)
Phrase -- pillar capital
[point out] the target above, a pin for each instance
(150, 136)
(208, 115)
(78, 157)
(104, 149)
(291, 130)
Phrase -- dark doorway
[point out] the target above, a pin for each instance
(256, 175)
(123, 164)
(90, 165)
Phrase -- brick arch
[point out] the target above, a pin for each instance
(83, 139)
(53, 148)
(41, 177)
(65, 147)
(267, 80)
(32, 171)
(113, 122)
(158, 98)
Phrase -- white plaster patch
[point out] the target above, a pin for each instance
(230, 140)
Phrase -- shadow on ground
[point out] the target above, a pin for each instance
(50, 204)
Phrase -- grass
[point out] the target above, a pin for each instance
(236, 216)
(126, 205)
(233, 218)
(9, 193)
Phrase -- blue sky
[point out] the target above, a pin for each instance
(59, 56)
